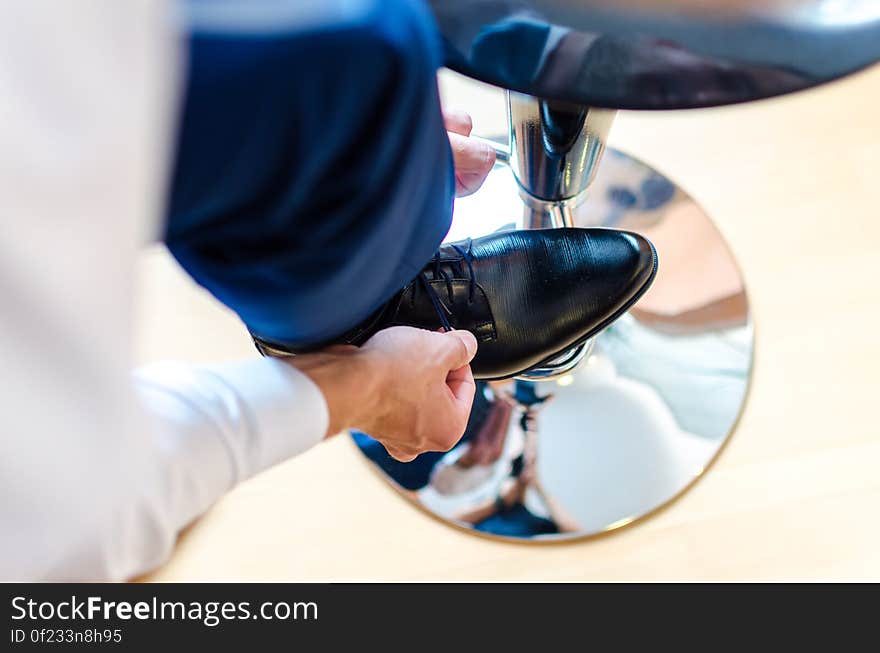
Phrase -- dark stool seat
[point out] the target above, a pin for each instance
(658, 54)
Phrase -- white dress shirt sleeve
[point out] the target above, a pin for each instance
(99, 472)
(215, 426)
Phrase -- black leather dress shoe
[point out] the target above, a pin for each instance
(528, 296)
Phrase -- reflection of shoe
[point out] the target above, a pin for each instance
(528, 296)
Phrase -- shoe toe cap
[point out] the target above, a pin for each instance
(560, 286)
(599, 274)
(616, 268)
(626, 262)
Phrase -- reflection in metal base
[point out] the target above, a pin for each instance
(561, 365)
(639, 420)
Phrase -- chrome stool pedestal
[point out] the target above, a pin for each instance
(618, 427)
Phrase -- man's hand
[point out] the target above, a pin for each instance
(473, 159)
(410, 389)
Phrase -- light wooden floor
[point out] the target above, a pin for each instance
(794, 183)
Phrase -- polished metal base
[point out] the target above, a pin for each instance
(637, 422)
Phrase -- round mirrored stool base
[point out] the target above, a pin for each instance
(638, 420)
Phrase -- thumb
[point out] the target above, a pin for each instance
(471, 155)
(461, 348)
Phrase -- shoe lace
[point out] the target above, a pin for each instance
(438, 272)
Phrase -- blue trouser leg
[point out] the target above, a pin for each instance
(313, 176)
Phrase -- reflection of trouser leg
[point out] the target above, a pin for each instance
(313, 177)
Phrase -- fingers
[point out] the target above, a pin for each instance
(460, 347)
(471, 156)
(462, 385)
(400, 455)
(458, 122)
(427, 392)
(341, 349)
(473, 160)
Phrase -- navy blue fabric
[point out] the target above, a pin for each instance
(413, 475)
(313, 176)
(517, 521)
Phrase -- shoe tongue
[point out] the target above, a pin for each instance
(448, 253)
